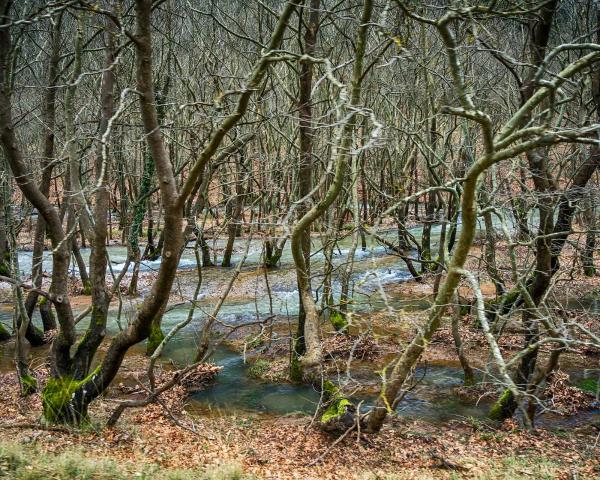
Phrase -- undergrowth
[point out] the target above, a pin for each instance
(25, 462)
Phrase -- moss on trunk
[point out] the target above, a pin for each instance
(499, 305)
(589, 270)
(338, 320)
(59, 400)
(503, 407)
(272, 261)
(4, 333)
(339, 412)
(296, 370)
(155, 338)
(87, 287)
(29, 385)
(337, 409)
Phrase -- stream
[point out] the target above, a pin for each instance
(234, 389)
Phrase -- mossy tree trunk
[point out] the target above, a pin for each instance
(552, 234)
(337, 413)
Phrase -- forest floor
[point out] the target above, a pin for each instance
(177, 444)
(166, 441)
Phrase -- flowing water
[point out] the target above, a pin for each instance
(234, 389)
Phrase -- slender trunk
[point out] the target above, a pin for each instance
(61, 346)
(27, 382)
(305, 171)
(402, 367)
(35, 336)
(233, 227)
(490, 253)
(458, 344)
(96, 331)
(587, 254)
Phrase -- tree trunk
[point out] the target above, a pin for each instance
(305, 172)
(312, 357)
(34, 335)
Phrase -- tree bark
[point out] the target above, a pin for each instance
(305, 172)
(24, 178)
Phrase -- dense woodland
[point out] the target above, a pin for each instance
(344, 153)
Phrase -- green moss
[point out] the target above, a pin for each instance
(335, 410)
(501, 409)
(253, 341)
(465, 309)
(4, 333)
(338, 320)
(83, 339)
(29, 384)
(155, 338)
(589, 385)
(272, 261)
(329, 389)
(259, 368)
(87, 288)
(337, 403)
(296, 371)
(57, 396)
(589, 270)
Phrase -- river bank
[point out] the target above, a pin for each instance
(263, 446)
(253, 417)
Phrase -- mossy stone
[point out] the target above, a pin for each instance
(338, 405)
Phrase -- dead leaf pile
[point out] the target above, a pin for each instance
(363, 347)
(564, 398)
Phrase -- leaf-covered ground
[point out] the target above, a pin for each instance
(289, 447)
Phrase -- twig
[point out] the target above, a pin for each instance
(338, 440)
